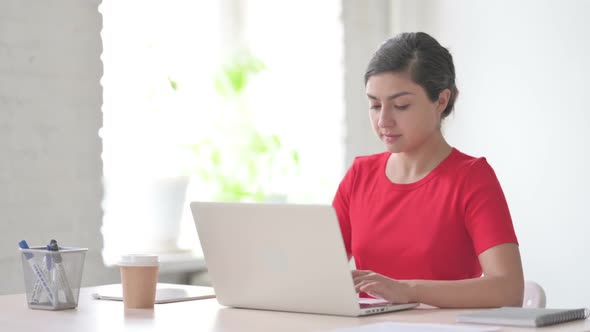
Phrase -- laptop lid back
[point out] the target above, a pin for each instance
(276, 256)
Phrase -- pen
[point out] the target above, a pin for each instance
(52, 276)
(47, 260)
(37, 286)
(46, 269)
(58, 268)
(40, 276)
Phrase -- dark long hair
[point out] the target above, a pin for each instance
(429, 64)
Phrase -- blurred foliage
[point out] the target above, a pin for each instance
(241, 163)
(234, 76)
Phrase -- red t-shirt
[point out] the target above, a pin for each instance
(432, 229)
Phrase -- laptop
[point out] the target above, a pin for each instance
(283, 257)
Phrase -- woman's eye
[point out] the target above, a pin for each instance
(402, 107)
(375, 107)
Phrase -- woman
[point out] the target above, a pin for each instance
(423, 220)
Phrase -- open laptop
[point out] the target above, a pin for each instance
(283, 257)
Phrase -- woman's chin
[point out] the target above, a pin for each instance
(393, 148)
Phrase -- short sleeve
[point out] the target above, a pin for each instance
(341, 204)
(487, 217)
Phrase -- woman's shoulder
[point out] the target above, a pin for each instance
(469, 165)
(462, 159)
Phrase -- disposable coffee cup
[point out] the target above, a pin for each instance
(139, 277)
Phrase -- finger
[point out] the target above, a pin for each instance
(373, 289)
(379, 290)
(368, 286)
(356, 273)
(358, 286)
(368, 276)
(362, 283)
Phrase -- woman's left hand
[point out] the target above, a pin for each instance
(380, 286)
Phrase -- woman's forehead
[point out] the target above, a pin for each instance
(390, 83)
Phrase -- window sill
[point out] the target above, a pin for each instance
(181, 262)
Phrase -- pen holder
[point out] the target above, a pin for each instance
(52, 278)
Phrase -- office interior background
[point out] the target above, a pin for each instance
(113, 115)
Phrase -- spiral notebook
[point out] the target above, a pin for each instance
(527, 317)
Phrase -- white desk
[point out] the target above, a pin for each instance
(204, 315)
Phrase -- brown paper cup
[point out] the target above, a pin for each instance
(139, 277)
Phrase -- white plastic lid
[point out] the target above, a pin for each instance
(139, 260)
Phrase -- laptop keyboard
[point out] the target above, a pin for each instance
(370, 303)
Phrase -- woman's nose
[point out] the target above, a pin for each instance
(385, 119)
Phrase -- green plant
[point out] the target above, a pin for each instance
(242, 166)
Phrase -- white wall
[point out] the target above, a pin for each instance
(523, 69)
(366, 25)
(50, 99)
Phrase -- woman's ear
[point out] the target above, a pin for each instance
(443, 100)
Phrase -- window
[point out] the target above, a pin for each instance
(170, 114)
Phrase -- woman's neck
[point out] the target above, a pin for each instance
(411, 166)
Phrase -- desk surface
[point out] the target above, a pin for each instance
(205, 315)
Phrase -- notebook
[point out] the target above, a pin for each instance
(417, 327)
(527, 317)
(167, 293)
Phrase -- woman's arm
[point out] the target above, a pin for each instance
(501, 285)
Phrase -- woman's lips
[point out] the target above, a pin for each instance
(390, 138)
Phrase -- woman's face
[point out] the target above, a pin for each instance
(401, 113)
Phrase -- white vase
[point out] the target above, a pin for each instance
(142, 215)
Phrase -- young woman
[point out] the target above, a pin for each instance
(425, 222)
